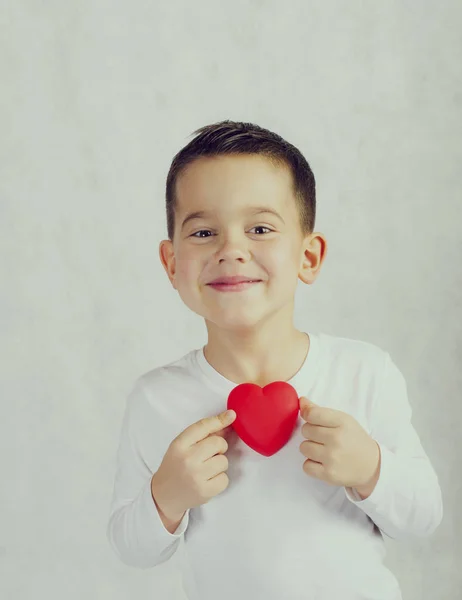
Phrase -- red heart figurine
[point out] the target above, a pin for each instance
(265, 417)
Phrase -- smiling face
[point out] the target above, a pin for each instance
(236, 215)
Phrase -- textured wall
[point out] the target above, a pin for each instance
(96, 98)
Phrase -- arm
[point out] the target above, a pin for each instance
(135, 530)
(403, 497)
(366, 490)
(171, 524)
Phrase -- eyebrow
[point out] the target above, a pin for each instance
(253, 210)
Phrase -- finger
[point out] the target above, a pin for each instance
(314, 469)
(205, 427)
(317, 433)
(211, 446)
(323, 417)
(312, 450)
(226, 432)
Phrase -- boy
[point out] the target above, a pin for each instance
(306, 522)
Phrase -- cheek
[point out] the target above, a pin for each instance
(185, 271)
(281, 260)
(187, 267)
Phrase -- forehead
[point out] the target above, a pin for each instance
(232, 182)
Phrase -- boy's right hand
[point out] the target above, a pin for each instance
(192, 470)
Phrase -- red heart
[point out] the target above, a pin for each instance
(265, 417)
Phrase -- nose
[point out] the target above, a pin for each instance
(233, 248)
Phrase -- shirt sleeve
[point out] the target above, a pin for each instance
(406, 501)
(135, 530)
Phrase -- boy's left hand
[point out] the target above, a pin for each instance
(344, 453)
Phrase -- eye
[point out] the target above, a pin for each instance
(263, 227)
(268, 230)
(200, 231)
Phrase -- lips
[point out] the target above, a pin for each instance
(234, 280)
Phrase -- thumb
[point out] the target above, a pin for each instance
(305, 404)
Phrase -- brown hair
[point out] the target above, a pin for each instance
(231, 137)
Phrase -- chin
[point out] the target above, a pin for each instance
(234, 321)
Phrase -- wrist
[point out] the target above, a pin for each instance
(164, 507)
(366, 488)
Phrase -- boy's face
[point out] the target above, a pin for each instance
(230, 238)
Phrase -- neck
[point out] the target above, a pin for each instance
(260, 355)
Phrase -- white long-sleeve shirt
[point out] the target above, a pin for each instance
(276, 532)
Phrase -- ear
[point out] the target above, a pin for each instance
(314, 249)
(167, 258)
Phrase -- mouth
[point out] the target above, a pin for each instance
(233, 286)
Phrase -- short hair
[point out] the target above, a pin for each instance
(234, 137)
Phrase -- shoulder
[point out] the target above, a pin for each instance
(160, 402)
(351, 351)
(362, 364)
(176, 375)
(170, 395)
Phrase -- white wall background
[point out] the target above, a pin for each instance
(96, 98)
